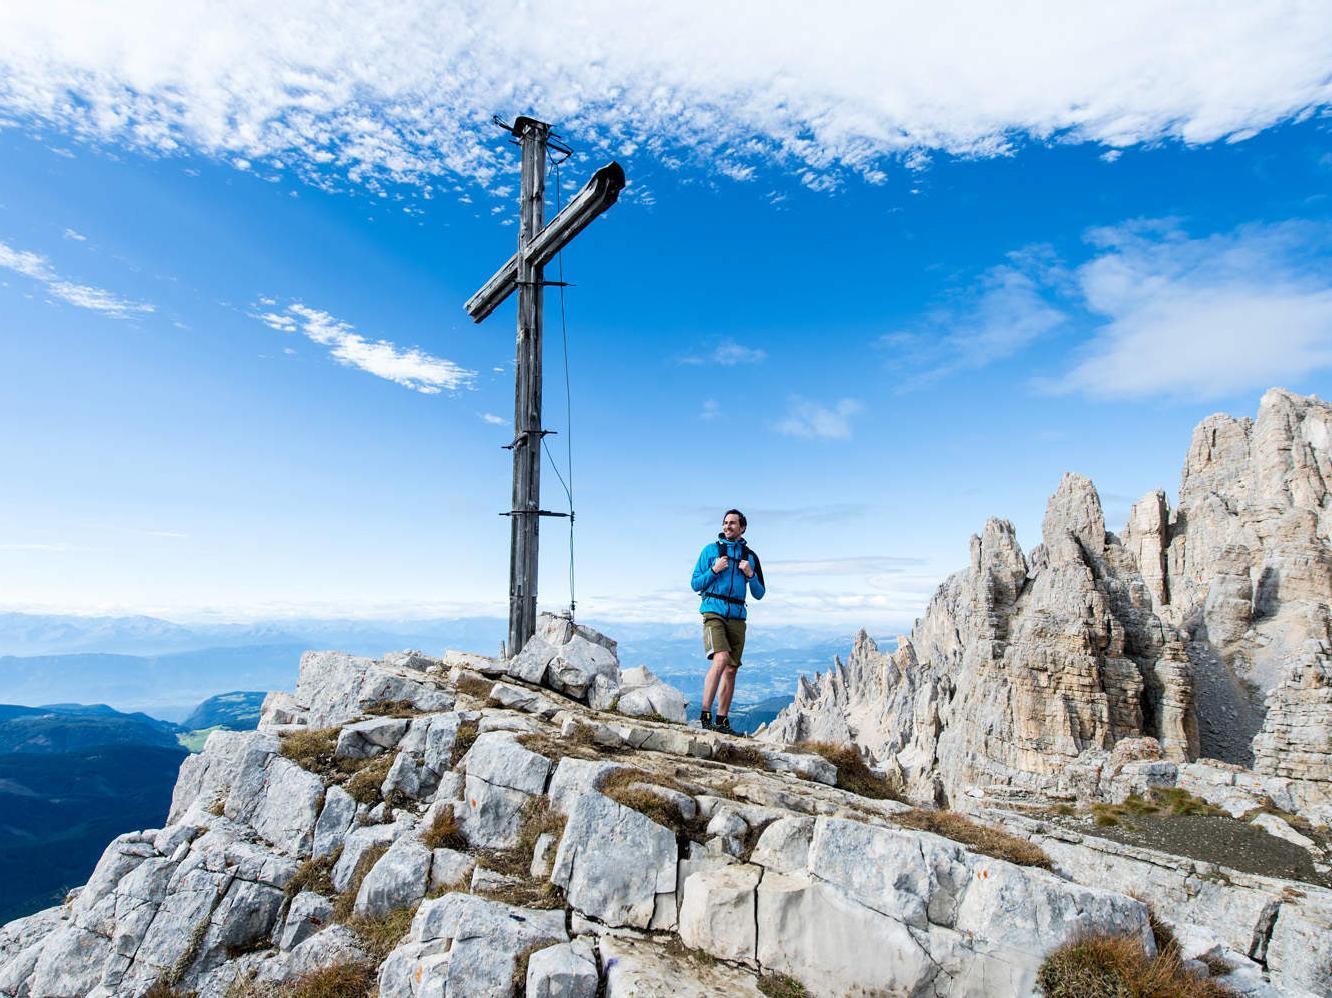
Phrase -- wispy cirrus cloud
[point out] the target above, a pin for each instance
(412, 368)
(38, 268)
(728, 353)
(1151, 310)
(1202, 317)
(1005, 313)
(811, 420)
(404, 94)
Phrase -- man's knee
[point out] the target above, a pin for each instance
(721, 661)
(730, 670)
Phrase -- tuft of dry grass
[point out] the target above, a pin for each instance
(392, 708)
(183, 962)
(1217, 965)
(312, 749)
(1162, 934)
(161, 989)
(364, 784)
(530, 892)
(1163, 801)
(1118, 967)
(579, 745)
(853, 774)
(467, 732)
(444, 831)
(475, 685)
(219, 805)
(381, 933)
(977, 837)
(343, 980)
(246, 986)
(734, 754)
(781, 986)
(675, 947)
(345, 903)
(314, 874)
(620, 786)
(516, 861)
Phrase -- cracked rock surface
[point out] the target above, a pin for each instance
(543, 843)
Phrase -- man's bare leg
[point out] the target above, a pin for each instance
(726, 689)
(721, 662)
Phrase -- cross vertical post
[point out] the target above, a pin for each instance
(525, 272)
(525, 520)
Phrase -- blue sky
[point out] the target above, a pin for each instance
(872, 282)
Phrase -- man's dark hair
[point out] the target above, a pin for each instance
(744, 524)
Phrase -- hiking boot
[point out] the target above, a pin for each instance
(723, 725)
(705, 719)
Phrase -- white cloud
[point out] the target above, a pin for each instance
(1203, 317)
(410, 368)
(1006, 313)
(78, 237)
(808, 419)
(494, 420)
(711, 410)
(405, 93)
(37, 267)
(728, 353)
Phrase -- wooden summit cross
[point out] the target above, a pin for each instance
(525, 270)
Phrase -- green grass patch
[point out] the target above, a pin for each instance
(194, 740)
(1160, 801)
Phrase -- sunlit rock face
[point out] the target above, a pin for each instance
(1205, 627)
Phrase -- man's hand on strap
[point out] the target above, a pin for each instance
(720, 565)
(745, 567)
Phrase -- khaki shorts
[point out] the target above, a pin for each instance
(724, 634)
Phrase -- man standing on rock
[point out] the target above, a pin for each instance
(725, 568)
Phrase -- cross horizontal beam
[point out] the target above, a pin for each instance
(597, 195)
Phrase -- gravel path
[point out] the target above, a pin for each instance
(1223, 841)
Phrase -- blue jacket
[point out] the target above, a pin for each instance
(731, 582)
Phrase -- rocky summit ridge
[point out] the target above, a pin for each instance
(458, 826)
(420, 826)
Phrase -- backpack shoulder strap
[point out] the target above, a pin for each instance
(749, 554)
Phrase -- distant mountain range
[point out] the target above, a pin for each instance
(164, 668)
